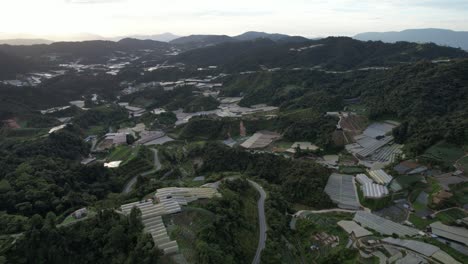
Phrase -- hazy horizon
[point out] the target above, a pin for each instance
(64, 19)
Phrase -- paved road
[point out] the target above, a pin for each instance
(157, 166)
(261, 222)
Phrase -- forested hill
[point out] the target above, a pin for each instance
(335, 53)
(11, 65)
(429, 98)
(91, 50)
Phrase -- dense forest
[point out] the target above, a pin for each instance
(299, 180)
(44, 175)
(219, 241)
(335, 53)
(107, 238)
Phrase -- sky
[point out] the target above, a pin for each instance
(62, 19)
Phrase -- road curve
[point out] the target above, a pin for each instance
(261, 222)
(157, 164)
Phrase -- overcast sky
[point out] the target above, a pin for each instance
(310, 18)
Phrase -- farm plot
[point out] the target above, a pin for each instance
(444, 153)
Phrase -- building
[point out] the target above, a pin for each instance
(342, 191)
(260, 140)
(57, 128)
(374, 191)
(80, 213)
(457, 234)
(113, 164)
(151, 216)
(363, 179)
(183, 196)
(422, 248)
(148, 136)
(382, 225)
(352, 228)
(135, 111)
(380, 177)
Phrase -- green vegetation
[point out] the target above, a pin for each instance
(351, 170)
(297, 125)
(417, 94)
(225, 231)
(11, 224)
(406, 181)
(70, 219)
(419, 222)
(124, 154)
(335, 53)
(460, 193)
(314, 224)
(106, 116)
(106, 238)
(201, 104)
(464, 163)
(299, 180)
(448, 217)
(443, 154)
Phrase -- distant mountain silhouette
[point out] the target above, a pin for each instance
(199, 41)
(251, 35)
(16, 42)
(456, 39)
(164, 37)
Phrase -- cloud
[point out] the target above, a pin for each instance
(92, 1)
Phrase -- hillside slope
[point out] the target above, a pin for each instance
(336, 53)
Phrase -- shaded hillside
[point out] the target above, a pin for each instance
(456, 39)
(60, 90)
(11, 65)
(337, 53)
(91, 51)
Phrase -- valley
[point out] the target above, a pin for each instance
(259, 148)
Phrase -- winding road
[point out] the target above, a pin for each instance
(261, 221)
(157, 164)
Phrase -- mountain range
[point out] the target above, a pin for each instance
(444, 37)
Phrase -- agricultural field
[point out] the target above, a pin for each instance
(95, 130)
(408, 180)
(123, 153)
(358, 109)
(444, 153)
(460, 193)
(447, 217)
